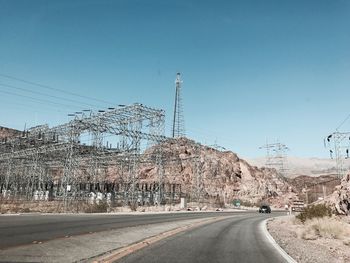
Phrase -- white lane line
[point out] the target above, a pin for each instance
(273, 242)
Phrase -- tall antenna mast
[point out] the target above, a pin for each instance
(178, 122)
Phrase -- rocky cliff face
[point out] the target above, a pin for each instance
(213, 174)
(340, 199)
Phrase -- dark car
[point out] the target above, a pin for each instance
(264, 209)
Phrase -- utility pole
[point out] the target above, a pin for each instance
(178, 121)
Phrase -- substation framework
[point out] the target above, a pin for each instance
(73, 160)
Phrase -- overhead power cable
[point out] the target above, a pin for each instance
(55, 89)
(26, 107)
(343, 122)
(44, 94)
(39, 100)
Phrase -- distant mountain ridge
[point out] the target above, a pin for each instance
(312, 166)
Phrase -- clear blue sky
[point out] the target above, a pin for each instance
(251, 69)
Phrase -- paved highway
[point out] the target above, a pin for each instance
(236, 239)
(24, 229)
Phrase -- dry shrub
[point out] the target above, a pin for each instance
(326, 228)
(101, 207)
(330, 228)
(295, 221)
(309, 233)
(220, 203)
(133, 206)
(26, 210)
(247, 203)
(315, 211)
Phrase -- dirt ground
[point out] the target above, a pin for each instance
(318, 240)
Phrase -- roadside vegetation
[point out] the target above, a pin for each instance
(317, 221)
(326, 227)
(328, 237)
(314, 211)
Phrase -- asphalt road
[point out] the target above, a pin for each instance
(237, 239)
(24, 229)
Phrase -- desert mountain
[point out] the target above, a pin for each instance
(306, 166)
(217, 175)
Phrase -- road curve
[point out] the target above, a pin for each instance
(236, 239)
(24, 229)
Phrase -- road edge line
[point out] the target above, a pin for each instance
(119, 253)
(284, 254)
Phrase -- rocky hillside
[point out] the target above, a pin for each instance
(340, 199)
(8, 133)
(310, 189)
(218, 175)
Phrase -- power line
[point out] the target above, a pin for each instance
(26, 106)
(55, 89)
(39, 100)
(44, 94)
(342, 123)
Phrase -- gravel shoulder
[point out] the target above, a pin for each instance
(305, 248)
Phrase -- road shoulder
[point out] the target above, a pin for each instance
(297, 242)
(273, 242)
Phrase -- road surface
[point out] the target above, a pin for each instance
(236, 239)
(24, 229)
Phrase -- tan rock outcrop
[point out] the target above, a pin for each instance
(340, 199)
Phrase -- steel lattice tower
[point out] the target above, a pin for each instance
(178, 122)
(338, 144)
(276, 156)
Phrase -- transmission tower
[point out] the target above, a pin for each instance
(338, 144)
(178, 122)
(276, 156)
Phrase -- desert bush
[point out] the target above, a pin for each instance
(220, 203)
(101, 207)
(309, 233)
(248, 203)
(133, 206)
(315, 211)
(324, 227)
(26, 210)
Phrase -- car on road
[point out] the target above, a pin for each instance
(264, 209)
